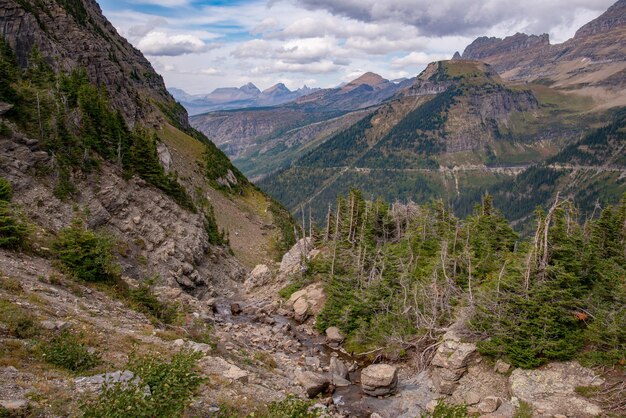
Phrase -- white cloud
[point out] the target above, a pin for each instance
(164, 44)
(415, 59)
(295, 41)
(210, 71)
(162, 3)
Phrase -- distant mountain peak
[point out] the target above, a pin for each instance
(614, 17)
(369, 78)
(278, 88)
(250, 88)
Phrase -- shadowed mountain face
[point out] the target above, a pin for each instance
(80, 36)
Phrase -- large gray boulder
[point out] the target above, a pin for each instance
(294, 260)
(259, 276)
(313, 383)
(552, 389)
(379, 379)
(334, 336)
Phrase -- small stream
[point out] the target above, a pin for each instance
(349, 400)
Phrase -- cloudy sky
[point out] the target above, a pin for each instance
(201, 45)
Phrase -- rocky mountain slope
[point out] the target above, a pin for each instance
(235, 98)
(591, 63)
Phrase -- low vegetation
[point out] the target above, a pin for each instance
(20, 322)
(67, 350)
(445, 410)
(85, 254)
(13, 229)
(163, 389)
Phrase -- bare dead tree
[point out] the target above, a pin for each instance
(337, 216)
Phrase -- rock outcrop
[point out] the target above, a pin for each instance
(313, 383)
(379, 379)
(79, 36)
(307, 302)
(551, 389)
(294, 260)
(259, 276)
(450, 362)
(160, 238)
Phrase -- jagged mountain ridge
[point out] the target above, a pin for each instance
(80, 36)
(247, 95)
(593, 62)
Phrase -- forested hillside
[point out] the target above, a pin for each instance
(458, 132)
(397, 275)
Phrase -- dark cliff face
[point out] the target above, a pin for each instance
(613, 18)
(526, 57)
(485, 47)
(73, 34)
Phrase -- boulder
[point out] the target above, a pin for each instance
(337, 368)
(301, 309)
(333, 335)
(259, 276)
(235, 373)
(489, 404)
(14, 406)
(95, 383)
(313, 383)
(293, 261)
(307, 301)
(379, 379)
(55, 325)
(453, 354)
(340, 381)
(552, 389)
(502, 367)
(235, 308)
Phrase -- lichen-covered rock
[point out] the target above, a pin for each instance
(337, 368)
(379, 379)
(96, 382)
(552, 389)
(453, 354)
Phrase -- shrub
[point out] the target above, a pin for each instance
(12, 230)
(444, 410)
(145, 301)
(172, 385)
(85, 254)
(290, 407)
(66, 350)
(20, 323)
